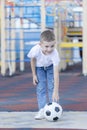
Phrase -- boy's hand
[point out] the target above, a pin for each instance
(55, 97)
(35, 80)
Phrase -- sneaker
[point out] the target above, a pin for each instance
(40, 115)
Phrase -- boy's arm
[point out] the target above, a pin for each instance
(56, 84)
(33, 68)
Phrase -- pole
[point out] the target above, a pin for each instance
(43, 15)
(21, 41)
(13, 36)
(84, 69)
(3, 44)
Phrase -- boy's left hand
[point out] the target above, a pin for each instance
(55, 97)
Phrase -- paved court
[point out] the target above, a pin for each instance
(69, 120)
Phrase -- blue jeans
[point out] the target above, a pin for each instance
(45, 85)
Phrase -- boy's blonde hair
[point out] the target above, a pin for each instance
(47, 35)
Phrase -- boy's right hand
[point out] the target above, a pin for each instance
(35, 80)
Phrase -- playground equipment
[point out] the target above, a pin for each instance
(64, 17)
(11, 43)
(13, 39)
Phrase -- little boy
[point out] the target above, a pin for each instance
(44, 66)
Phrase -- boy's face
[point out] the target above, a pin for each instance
(47, 47)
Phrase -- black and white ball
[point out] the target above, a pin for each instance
(52, 111)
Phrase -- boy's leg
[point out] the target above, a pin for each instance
(41, 87)
(50, 82)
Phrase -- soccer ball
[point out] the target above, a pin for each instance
(52, 111)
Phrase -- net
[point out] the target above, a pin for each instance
(54, 7)
(57, 1)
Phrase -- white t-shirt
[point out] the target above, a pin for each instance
(42, 59)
